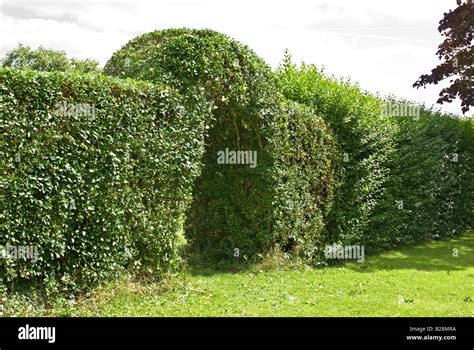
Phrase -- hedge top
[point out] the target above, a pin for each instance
(191, 59)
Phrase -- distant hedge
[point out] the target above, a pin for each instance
(240, 210)
(430, 192)
(400, 178)
(96, 173)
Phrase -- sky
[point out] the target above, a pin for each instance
(383, 45)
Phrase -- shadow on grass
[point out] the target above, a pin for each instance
(429, 256)
(205, 271)
(452, 254)
(198, 265)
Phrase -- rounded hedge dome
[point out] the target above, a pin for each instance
(193, 58)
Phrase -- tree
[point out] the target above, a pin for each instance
(458, 54)
(42, 59)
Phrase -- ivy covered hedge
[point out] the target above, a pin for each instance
(96, 173)
(404, 174)
(240, 210)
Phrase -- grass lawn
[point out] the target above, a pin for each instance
(424, 280)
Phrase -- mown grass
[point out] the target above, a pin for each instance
(423, 280)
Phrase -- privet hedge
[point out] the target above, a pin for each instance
(96, 173)
(430, 192)
(402, 177)
(240, 210)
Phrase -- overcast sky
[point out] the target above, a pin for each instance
(384, 45)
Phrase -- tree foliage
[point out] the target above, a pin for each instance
(42, 59)
(457, 51)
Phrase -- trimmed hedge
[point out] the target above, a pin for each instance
(95, 192)
(238, 209)
(102, 173)
(365, 145)
(396, 181)
(431, 176)
(305, 179)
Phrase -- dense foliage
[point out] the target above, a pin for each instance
(430, 192)
(239, 210)
(404, 175)
(42, 59)
(305, 180)
(95, 189)
(102, 173)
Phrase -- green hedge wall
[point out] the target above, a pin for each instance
(396, 178)
(365, 145)
(99, 184)
(235, 206)
(102, 173)
(430, 193)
